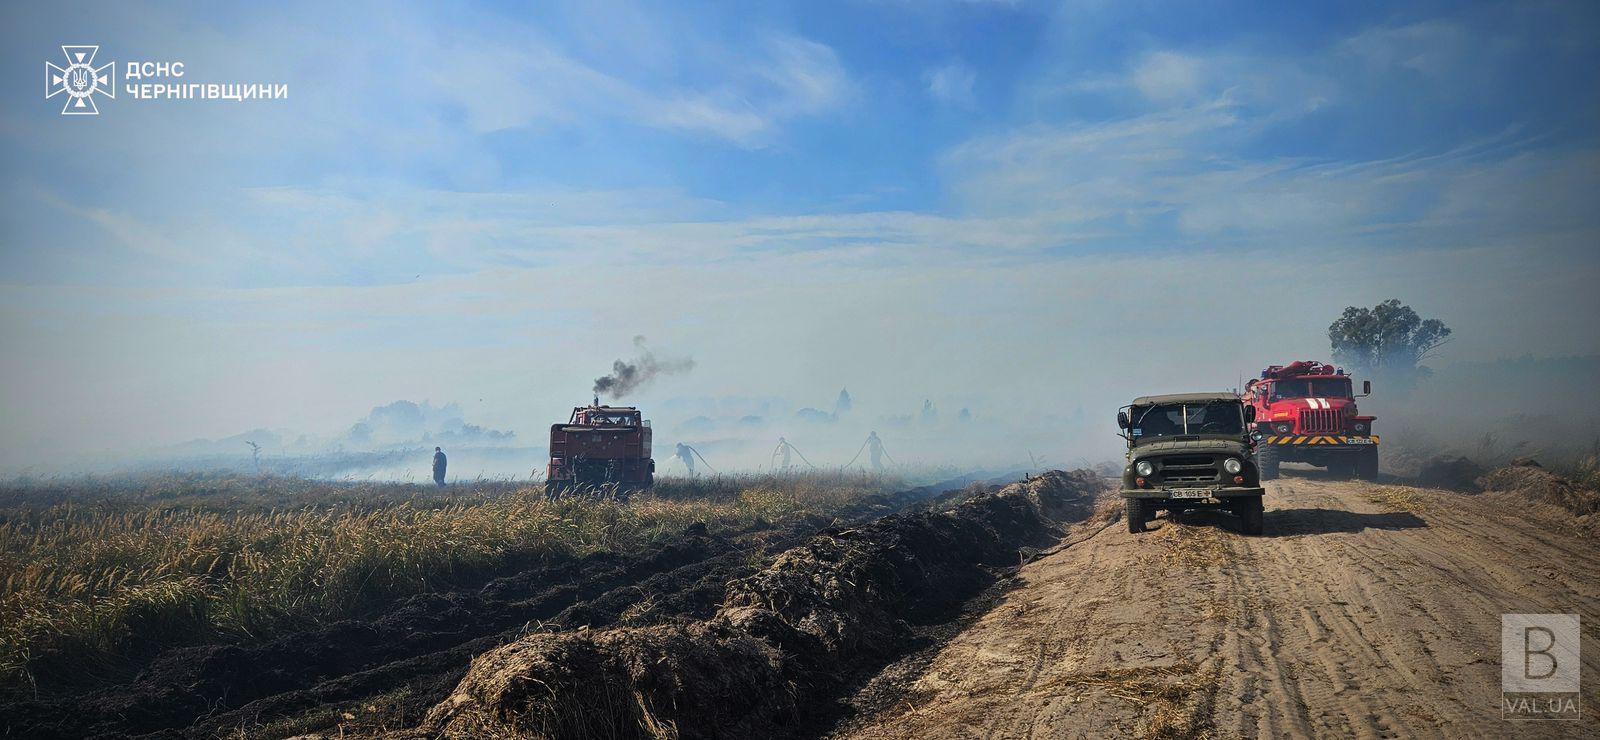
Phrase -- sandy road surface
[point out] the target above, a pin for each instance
(1366, 610)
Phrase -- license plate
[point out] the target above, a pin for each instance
(1358, 440)
(1189, 492)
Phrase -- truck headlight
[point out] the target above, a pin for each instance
(1232, 465)
(1144, 468)
(1360, 427)
(1280, 428)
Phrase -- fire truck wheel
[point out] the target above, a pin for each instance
(1267, 462)
(1136, 515)
(1367, 464)
(1251, 515)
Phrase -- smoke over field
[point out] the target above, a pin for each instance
(1493, 412)
(628, 376)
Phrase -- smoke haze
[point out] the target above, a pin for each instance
(1117, 203)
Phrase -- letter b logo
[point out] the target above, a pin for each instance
(1539, 653)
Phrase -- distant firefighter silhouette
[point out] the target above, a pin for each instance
(785, 450)
(687, 456)
(439, 463)
(874, 447)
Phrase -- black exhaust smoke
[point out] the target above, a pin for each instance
(629, 376)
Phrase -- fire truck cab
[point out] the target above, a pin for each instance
(1306, 412)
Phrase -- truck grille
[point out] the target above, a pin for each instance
(1313, 421)
(1189, 469)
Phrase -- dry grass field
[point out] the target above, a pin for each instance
(98, 573)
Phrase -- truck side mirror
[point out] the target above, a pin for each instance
(1122, 420)
(1366, 387)
(1249, 414)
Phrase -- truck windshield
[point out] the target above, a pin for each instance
(1311, 388)
(1171, 420)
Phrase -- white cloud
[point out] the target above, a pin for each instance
(1435, 47)
(805, 77)
(1167, 76)
(952, 83)
(786, 78)
(1076, 174)
(1190, 168)
(1179, 177)
(501, 85)
(724, 116)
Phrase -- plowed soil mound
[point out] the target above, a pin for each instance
(851, 592)
(1534, 483)
(842, 603)
(620, 683)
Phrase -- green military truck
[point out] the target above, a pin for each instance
(1190, 451)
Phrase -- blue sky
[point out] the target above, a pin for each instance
(801, 195)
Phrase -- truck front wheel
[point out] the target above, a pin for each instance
(1135, 514)
(1251, 515)
(1267, 461)
(1367, 464)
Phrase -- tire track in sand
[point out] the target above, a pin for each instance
(1352, 617)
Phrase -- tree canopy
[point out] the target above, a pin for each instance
(1389, 338)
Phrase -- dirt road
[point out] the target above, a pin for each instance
(1366, 610)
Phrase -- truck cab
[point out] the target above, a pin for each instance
(1190, 451)
(1306, 412)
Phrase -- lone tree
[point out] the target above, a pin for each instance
(1388, 340)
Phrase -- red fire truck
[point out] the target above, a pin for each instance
(601, 448)
(1306, 412)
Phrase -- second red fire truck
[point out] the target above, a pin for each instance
(1306, 412)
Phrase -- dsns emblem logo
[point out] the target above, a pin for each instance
(80, 80)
